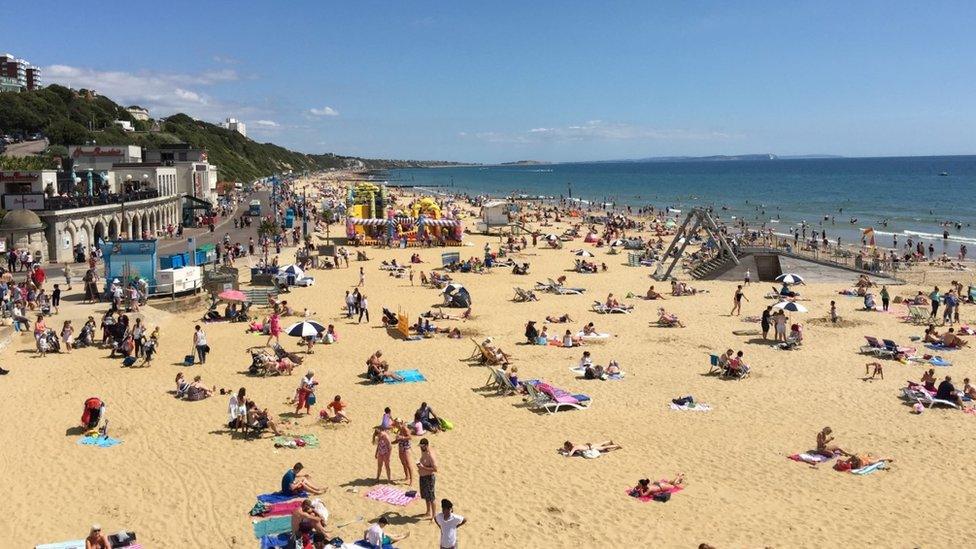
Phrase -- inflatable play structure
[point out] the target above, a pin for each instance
(372, 219)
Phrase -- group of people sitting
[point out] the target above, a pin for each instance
(596, 371)
(583, 266)
(244, 413)
(425, 328)
(534, 336)
(192, 390)
(945, 390)
(679, 289)
(948, 339)
(266, 362)
(667, 319)
(731, 363)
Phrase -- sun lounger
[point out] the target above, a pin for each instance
(923, 396)
(602, 309)
(556, 399)
(875, 347)
(896, 350)
(524, 296)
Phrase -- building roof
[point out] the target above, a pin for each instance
(21, 221)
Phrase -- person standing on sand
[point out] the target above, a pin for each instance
(200, 343)
(362, 278)
(737, 301)
(764, 323)
(426, 471)
(885, 298)
(67, 275)
(449, 523)
(383, 450)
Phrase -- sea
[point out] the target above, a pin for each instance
(898, 197)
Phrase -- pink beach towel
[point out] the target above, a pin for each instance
(391, 495)
(283, 508)
(646, 499)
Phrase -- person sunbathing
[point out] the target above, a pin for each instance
(569, 340)
(932, 335)
(589, 329)
(305, 521)
(612, 302)
(857, 461)
(950, 339)
(646, 489)
(588, 449)
(613, 368)
(196, 390)
(500, 356)
(652, 294)
(668, 319)
(559, 319)
(737, 367)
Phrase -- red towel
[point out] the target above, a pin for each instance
(283, 508)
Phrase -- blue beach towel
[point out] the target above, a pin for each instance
(274, 525)
(939, 347)
(869, 468)
(278, 497)
(277, 540)
(101, 442)
(939, 361)
(409, 376)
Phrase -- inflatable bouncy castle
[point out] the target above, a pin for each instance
(372, 219)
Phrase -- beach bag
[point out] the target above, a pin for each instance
(662, 496)
(259, 509)
(188, 360)
(311, 399)
(445, 424)
(128, 361)
(122, 539)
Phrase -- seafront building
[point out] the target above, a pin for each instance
(103, 192)
(235, 125)
(18, 74)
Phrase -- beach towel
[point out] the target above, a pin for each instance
(368, 545)
(646, 499)
(271, 541)
(939, 361)
(99, 441)
(611, 377)
(300, 441)
(409, 376)
(391, 495)
(812, 458)
(271, 526)
(278, 497)
(870, 468)
(939, 347)
(692, 407)
(281, 508)
(76, 544)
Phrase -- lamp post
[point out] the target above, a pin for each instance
(145, 180)
(128, 183)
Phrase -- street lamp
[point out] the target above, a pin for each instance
(145, 180)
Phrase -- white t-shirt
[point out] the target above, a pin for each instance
(374, 535)
(448, 528)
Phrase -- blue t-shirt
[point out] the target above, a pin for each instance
(286, 482)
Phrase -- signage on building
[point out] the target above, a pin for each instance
(33, 201)
(19, 177)
(96, 151)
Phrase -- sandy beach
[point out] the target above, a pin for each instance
(179, 478)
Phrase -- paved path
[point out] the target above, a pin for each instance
(26, 148)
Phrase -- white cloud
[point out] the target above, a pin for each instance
(597, 130)
(324, 111)
(265, 124)
(163, 93)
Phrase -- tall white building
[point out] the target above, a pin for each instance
(236, 125)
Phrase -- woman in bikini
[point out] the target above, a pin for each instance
(403, 446)
(383, 450)
(824, 447)
(645, 488)
(569, 449)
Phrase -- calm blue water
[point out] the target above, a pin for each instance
(907, 192)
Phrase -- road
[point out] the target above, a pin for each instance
(26, 148)
(167, 246)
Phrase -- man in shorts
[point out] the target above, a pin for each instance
(449, 524)
(426, 470)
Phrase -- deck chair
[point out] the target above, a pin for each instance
(535, 398)
(916, 315)
(875, 347)
(524, 296)
(896, 350)
(737, 375)
(714, 366)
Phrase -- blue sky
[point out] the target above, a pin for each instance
(500, 80)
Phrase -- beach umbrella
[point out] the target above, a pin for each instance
(791, 306)
(306, 328)
(789, 278)
(583, 253)
(452, 289)
(293, 270)
(552, 237)
(617, 242)
(232, 295)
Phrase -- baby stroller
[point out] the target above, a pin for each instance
(86, 338)
(48, 342)
(242, 315)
